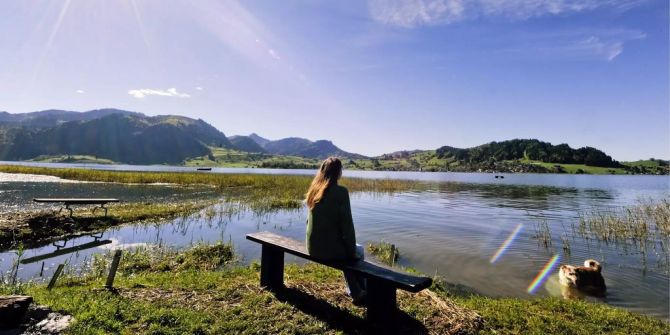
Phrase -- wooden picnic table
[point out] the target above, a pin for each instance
(78, 201)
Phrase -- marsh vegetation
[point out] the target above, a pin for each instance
(258, 192)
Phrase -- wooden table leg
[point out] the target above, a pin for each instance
(272, 267)
(382, 308)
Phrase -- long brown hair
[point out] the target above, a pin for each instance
(329, 172)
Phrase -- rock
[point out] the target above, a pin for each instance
(12, 310)
(55, 323)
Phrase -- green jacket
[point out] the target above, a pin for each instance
(330, 227)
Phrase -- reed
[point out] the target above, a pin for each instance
(643, 224)
(543, 233)
(258, 191)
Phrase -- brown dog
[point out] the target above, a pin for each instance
(587, 278)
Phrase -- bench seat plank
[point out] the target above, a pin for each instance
(396, 279)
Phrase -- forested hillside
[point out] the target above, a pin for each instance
(534, 150)
(120, 137)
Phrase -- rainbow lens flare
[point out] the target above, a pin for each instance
(507, 243)
(543, 274)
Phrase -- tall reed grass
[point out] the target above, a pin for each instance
(259, 192)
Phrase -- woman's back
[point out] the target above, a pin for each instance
(330, 228)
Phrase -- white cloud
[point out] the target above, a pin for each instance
(170, 92)
(596, 46)
(199, 88)
(411, 13)
(273, 54)
(80, 91)
(576, 45)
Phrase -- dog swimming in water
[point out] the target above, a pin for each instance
(587, 278)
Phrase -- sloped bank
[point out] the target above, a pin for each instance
(203, 291)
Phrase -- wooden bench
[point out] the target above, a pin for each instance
(78, 201)
(381, 282)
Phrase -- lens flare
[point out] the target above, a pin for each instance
(507, 243)
(543, 274)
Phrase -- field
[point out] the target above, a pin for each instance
(576, 168)
(72, 159)
(239, 159)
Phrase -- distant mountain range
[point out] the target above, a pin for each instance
(134, 138)
(291, 146)
(116, 135)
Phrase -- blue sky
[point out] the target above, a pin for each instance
(372, 76)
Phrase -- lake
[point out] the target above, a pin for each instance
(451, 225)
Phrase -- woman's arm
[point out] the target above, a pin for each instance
(347, 224)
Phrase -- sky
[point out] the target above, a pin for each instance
(372, 76)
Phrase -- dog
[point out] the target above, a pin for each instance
(587, 278)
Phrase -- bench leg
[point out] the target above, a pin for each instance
(382, 308)
(272, 268)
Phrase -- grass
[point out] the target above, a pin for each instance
(202, 291)
(256, 191)
(557, 316)
(34, 229)
(385, 252)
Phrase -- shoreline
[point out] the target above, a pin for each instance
(33, 229)
(507, 168)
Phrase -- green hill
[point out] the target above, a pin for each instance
(119, 137)
(533, 150)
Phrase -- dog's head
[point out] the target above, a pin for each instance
(568, 275)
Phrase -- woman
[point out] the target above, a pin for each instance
(330, 227)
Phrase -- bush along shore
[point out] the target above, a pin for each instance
(203, 290)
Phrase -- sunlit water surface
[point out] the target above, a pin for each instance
(452, 225)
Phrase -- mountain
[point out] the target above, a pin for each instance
(54, 117)
(245, 143)
(301, 147)
(121, 136)
(260, 140)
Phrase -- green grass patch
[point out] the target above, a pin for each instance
(201, 291)
(557, 316)
(385, 252)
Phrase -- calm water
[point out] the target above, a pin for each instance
(451, 225)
